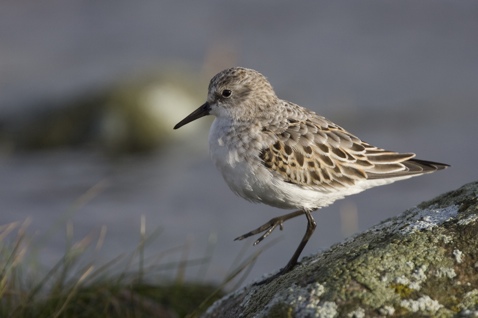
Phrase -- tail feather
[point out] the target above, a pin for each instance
(413, 167)
(424, 166)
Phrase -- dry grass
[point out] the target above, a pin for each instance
(76, 287)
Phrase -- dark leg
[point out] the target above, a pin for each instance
(311, 225)
(268, 227)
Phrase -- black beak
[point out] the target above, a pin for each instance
(202, 111)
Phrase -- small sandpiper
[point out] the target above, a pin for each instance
(276, 152)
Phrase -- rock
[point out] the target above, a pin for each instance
(422, 263)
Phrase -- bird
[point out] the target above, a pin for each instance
(276, 152)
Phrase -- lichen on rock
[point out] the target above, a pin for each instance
(423, 262)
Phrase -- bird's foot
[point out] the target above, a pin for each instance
(283, 271)
(267, 228)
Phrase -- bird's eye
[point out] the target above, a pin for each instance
(226, 93)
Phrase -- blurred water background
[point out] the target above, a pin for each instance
(400, 74)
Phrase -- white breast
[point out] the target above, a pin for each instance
(233, 159)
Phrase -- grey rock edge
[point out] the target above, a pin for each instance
(423, 263)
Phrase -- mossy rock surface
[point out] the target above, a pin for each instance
(423, 263)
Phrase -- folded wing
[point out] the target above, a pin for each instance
(315, 153)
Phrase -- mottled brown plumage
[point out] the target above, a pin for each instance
(323, 156)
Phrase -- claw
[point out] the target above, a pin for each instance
(266, 234)
(268, 227)
(239, 238)
(269, 279)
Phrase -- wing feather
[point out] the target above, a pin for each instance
(315, 153)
